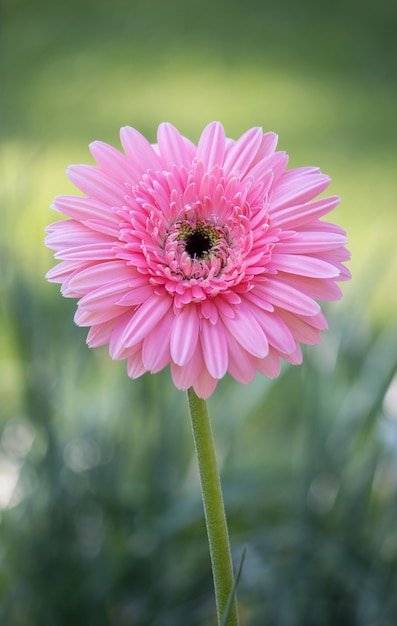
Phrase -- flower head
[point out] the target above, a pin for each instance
(207, 258)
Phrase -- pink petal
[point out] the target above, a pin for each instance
(137, 293)
(62, 271)
(186, 375)
(303, 265)
(117, 348)
(205, 384)
(139, 151)
(102, 251)
(82, 209)
(295, 358)
(100, 334)
(209, 311)
(241, 155)
(292, 217)
(270, 365)
(297, 187)
(145, 319)
(112, 161)
(224, 308)
(256, 297)
(184, 334)
(310, 243)
(318, 321)
(319, 226)
(335, 256)
(244, 327)
(156, 345)
(173, 147)
(211, 145)
(277, 332)
(275, 163)
(69, 233)
(242, 365)
(214, 347)
(101, 273)
(103, 227)
(92, 181)
(302, 330)
(317, 288)
(286, 297)
(85, 317)
(103, 297)
(267, 147)
(135, 367)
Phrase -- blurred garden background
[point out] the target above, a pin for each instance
(100, 513)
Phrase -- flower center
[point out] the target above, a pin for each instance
(195, 249)
(199, 240)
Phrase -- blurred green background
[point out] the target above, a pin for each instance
(100, 512)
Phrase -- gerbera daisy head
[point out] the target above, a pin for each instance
(207, 258)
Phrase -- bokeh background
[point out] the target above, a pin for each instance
(100, 513)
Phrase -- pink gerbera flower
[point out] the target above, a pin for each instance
(209, 259)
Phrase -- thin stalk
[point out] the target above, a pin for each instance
(215, 518)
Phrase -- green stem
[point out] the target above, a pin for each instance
(214, 511)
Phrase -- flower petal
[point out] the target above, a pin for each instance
(173, 147)
(184, 334)
(214, 347)
(310, 243)
(277, 332)
(112, 161)
(270, 365)
(156, 345)
(297, 186)
(100, 334)
(137, 293)
(242, 153)
(287, 297)
(205, 384)
(275, 163)
(145, 319)
(297, 215)
(101, 274)
(80, 208)
(211, 146)
(104, 296)
(85, 317)
(139, 151)
(245, 328)
(71, 234)
(117, 348)
(303, 265)
(317, 288)
(185, 376)
(62, 271)
(242, 365)
(135, 367)
(102, 251)
(301, 329)
(268, 146)
(95, 183)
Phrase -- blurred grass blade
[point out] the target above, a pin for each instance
(233, 589)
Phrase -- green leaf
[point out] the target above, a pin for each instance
(229, 602)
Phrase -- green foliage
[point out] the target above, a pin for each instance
(105, 524)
